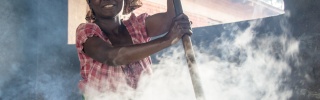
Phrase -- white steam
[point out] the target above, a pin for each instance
(239, 65)
(249, 68)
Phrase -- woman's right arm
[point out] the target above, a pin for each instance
(105, 53)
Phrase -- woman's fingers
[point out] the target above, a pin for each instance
(180, 26)
(181, 16)
(183, 24)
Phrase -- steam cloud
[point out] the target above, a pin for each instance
(238, 65)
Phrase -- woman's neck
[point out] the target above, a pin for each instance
(108, 24)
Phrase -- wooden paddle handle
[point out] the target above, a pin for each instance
(187, 44)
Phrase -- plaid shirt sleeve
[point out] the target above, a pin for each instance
(84, 31)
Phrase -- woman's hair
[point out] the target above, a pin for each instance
(129, 6)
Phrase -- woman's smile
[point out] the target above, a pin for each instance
(109, 6)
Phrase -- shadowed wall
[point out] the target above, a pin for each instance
(36, 62)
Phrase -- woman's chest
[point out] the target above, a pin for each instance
(119, 37)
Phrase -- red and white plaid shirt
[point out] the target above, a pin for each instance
(104, 77)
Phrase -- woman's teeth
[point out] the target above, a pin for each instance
(108, 6)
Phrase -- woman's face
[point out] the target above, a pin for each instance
(106, 8)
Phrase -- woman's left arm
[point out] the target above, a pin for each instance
(160, 23)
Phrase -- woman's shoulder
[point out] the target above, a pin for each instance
(133, 17)
(89, 29)
(87, 26)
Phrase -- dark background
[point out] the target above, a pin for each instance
(37, 63)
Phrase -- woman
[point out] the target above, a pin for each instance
(114, 52)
